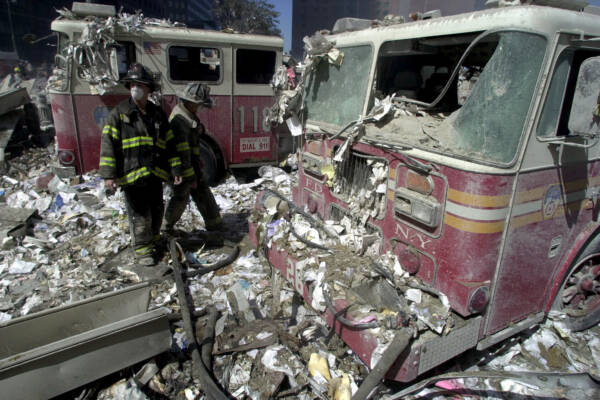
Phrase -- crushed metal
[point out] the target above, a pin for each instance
(92, 53)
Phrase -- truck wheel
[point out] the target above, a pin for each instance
(579, 297)
(211, 169)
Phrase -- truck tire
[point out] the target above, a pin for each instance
(579, 296)
(211, 169)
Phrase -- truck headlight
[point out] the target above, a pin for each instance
(312, 164)
(423, 209)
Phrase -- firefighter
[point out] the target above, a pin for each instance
(136, 151)
(187, 130)
(16, 78)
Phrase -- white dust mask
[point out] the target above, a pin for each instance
(137, 93)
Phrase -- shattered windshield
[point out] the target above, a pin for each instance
(335, 94)
(459, 95)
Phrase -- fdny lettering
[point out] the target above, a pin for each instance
(405, 232)
(313, 185)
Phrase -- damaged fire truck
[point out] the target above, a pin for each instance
(448, 183)
(95, 48)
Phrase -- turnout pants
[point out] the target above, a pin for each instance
(145, 209)
(201, 195)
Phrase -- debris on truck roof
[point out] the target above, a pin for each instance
(91, 52)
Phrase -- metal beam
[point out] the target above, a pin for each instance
(51, 352)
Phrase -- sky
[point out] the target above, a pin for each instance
(284, 7)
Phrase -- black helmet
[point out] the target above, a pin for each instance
(138, 73)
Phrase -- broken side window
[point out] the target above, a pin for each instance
(559, 100)
(61, 47)
(125, 57)
(187, 63)
(254, 66)
(420, 68)
(472, 97)
(489, 125)
(335, 95)
(59, 80)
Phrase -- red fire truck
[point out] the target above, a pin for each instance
(237, 67)
(465, 147)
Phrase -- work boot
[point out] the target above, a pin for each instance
(216, 224)
(147, 261)
(167, 234)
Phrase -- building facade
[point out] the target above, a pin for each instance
(200, 14)
(312, 15)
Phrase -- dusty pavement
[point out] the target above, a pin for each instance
(75, 246)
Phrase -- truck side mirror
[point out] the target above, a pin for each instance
(584, 119)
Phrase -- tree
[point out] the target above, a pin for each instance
(247, 16)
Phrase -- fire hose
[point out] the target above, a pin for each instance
(346, 322)
(399, 343)
(202, 269)
(199, 369)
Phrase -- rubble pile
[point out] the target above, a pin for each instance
(76, 246)
(549, 348)
(71, 234)
(340, 264)
(268, 341)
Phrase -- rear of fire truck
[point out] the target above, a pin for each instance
(411, 139)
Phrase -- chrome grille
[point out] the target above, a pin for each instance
(356, 184)
(353, 174)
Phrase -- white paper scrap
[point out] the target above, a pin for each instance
(21, 267)
(294, 125)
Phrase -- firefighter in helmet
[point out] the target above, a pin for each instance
(137, 152)
(16, 78)
(188, 130)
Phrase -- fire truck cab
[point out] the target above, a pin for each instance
(466, 148)
(95, 48)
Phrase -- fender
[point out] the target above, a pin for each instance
(588, 238)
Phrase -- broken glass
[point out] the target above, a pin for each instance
(491, 122)
(475, 109)
(335, 95)
(572, 101)
(59, 79)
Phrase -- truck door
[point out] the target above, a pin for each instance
(252, 139)
(552, 202)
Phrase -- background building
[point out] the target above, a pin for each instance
(308, 16)
(21, 17)
(200, 14)
(193, 13)
(35, 16)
